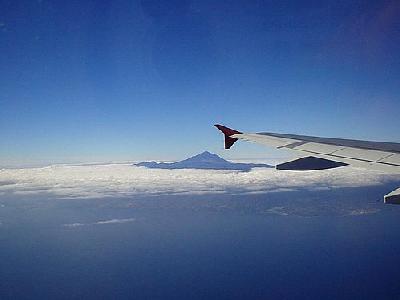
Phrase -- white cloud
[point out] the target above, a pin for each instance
(115, 221)
(92, 181)
(75, 225)
(105, 222)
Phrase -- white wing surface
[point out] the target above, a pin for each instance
(366, 154)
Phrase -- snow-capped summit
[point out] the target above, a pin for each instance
(204, 160)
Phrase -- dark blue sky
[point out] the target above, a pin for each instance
(111, 80)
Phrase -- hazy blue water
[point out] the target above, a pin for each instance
(319, 245)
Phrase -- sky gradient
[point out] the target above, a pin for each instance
(133, 80)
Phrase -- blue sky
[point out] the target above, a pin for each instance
(119, 80)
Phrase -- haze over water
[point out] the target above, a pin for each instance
(335, 243)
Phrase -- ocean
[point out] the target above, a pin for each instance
(330, 244)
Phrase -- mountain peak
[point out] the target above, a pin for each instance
(206, 157)
(204, 160)
(206, 153)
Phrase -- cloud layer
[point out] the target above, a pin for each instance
(116, 180)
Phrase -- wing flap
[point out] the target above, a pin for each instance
(318, 148)
(361, 154)
(393, 159)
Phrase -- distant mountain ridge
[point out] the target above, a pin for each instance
(205, 160)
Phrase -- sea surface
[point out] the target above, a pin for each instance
(329, 244)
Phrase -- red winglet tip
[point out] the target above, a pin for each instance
(229, 141)
(226, 130)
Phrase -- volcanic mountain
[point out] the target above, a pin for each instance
(205, 160)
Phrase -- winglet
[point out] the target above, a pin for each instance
(393, 197)
(229, 141)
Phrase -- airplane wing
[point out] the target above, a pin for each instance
(365, 154)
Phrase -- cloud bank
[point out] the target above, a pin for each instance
(118, 180)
